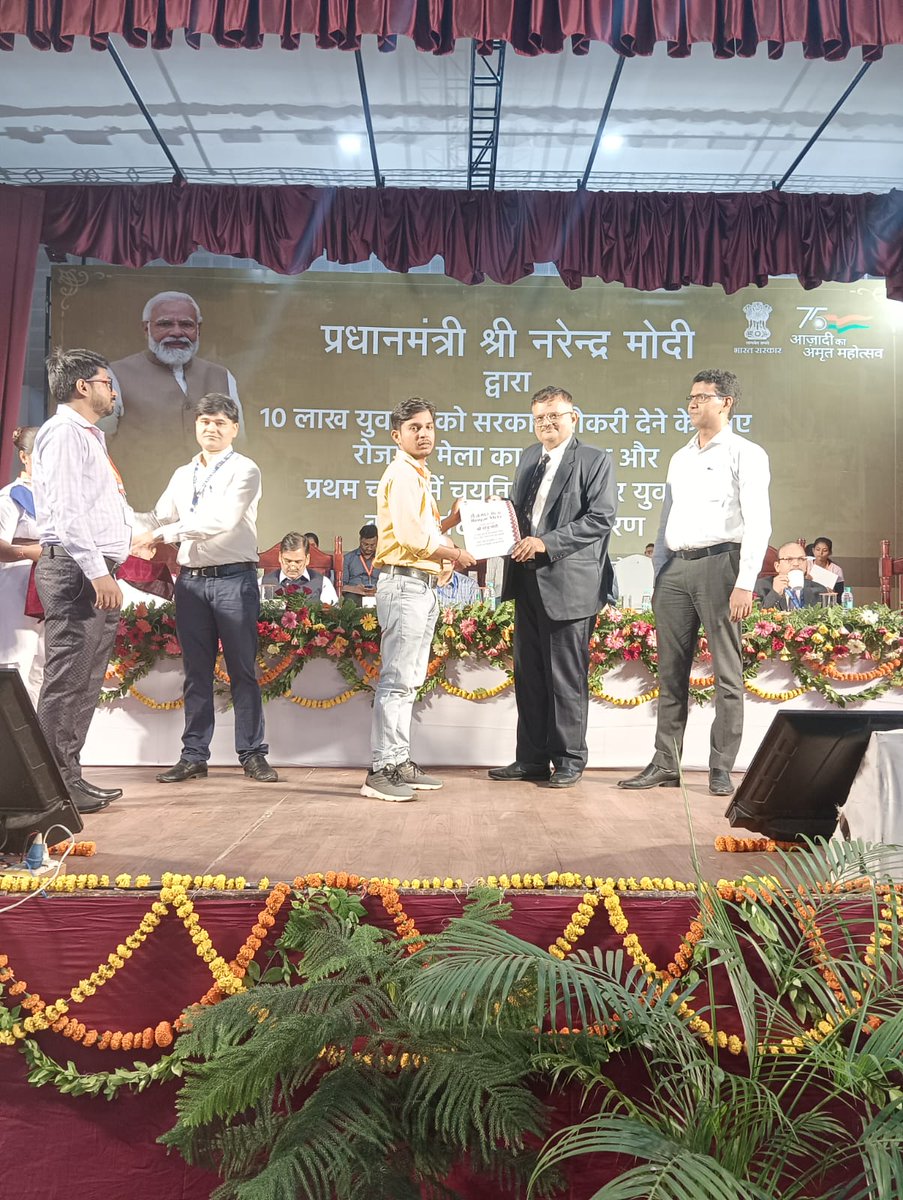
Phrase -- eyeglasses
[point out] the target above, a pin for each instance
(100, 379)
(701, 397)
(553, 418)
(800, 558)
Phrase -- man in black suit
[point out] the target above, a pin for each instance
(782, 591)
(565, 496)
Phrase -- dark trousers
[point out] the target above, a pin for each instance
(79, 642)
(210, 611)
(689, 592)
(551, 665)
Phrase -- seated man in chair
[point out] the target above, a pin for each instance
(782, 591)
(294, 552)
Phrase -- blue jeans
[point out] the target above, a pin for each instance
(209, 611)
(407, 611)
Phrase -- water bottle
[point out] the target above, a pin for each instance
(846, 599)
(489, 594)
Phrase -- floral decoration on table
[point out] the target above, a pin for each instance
(845, 656)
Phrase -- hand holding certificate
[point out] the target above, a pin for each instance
(490, 527)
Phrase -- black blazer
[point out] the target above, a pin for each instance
(576, 525)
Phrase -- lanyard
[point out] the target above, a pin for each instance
(197, 493)
(369, 569)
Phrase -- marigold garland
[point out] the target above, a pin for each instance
(76, 849)
(623, 701)
(476, 693)
(886, 668)
(305, 702)
(156, 705)
(775, 697)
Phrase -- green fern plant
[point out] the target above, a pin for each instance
(825, 1120)
(327, 1085)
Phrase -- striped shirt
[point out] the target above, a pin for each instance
(78, 504)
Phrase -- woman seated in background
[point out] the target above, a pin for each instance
(21, 637)
(821, 551)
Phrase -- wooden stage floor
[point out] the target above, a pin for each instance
(314, 819)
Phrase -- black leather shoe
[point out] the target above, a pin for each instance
(650, 777)
(565, 778)
(520, 772)
(257, 768)
(183, 770)
(84, 801)
(720, 783)
(98, 793)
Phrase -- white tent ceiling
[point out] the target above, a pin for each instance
(275, 116)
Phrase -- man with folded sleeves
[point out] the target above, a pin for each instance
(711, 541)
(411, 552)
(210, 508)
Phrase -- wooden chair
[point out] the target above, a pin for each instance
(887, 568)
(327, 564)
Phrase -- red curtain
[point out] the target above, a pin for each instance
(20, 229)
(642, 240)
(825, 28)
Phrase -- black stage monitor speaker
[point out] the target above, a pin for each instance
(803, 771)
(33, 797)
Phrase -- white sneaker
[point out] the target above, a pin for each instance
(387, 784)
(410, 773)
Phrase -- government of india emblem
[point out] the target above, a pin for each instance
(757, 315)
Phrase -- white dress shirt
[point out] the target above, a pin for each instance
(555, 457)
(78, 502)
(210, 507)
(718, 493)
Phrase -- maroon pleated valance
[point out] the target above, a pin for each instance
(824, 28)
(642, 240)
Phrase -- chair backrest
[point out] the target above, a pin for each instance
(888, 567)
(634, 576)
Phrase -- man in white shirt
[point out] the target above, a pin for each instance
(712, 538)
(84, 526)
(294, 572)
(210, 508)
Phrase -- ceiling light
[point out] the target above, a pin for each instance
(612, 142)
(350, 143)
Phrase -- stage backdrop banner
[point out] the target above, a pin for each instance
(320, 359)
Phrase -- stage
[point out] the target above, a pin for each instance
(314, 819)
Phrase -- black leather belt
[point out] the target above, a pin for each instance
(426, 577)
(218, 572)
(707, 551)
(52, 550)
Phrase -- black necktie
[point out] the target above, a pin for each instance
(533, 490)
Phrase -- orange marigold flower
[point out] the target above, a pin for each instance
(267, 920)
(116, 1040)
(163, 1034)
(90, 1037)
(127, 1041)
(18, 988)
(147, 1039)
(105, 1039)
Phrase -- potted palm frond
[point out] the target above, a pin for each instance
(362, 1066)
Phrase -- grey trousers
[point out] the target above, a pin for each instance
(689, 592)
(79, 641)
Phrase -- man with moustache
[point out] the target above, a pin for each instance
(711, 541)
(411, 552)
(84, 527)
(565, 497)
(158, 389)
(210, 508)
